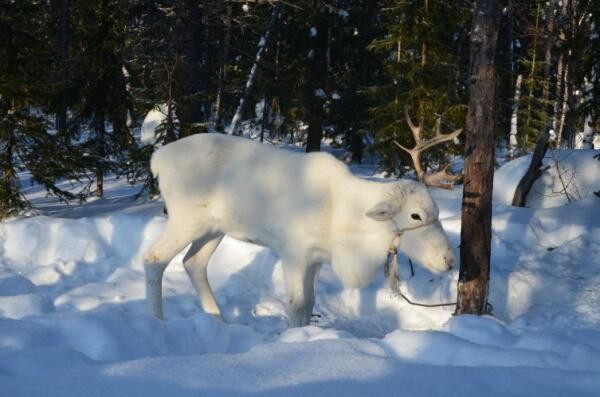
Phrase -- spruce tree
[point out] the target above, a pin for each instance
(26, 143)
(100, 82)
(425, 70)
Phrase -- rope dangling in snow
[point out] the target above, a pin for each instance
(391, 271)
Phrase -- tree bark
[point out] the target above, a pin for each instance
(476, 228)
(533, 172)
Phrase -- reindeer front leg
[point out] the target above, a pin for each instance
(300, 280)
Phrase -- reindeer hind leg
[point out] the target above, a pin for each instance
(195, 263)
(170, 243)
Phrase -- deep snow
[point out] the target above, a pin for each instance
(72, 319)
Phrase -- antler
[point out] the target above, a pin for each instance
(423, 144)
(437, 178)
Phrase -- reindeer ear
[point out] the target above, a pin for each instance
(381, 212)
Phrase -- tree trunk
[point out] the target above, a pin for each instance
(562, 72)
(189, 73)
(316, 78)
(100, 153)
(262, 48)
(223, 70)
(531, 79)
(557, 101)
(476, 231)
(533, 172)
(514, 119)
(586, 140)
(507, 83)
(9, 193)
(263, 121)
(563, 108)
(170, 123)
(571, 117)
(548, 44)
(63, 48)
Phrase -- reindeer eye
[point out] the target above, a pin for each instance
(416, 217)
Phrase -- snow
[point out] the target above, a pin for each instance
(343, 13)
(72, 317)
(569, 176)
(152, 120)
(149, 125)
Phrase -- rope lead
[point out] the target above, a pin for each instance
(391, 273)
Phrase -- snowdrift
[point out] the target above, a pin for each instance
(569, 176)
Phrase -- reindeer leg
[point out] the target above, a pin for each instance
(170, 243)
(300, 284)
(195, 263)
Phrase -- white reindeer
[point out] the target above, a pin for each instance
(308, 208)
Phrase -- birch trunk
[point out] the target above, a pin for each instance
(262, 48)
(586, 141)
(514, 119)
(563, 108)
(556, 114)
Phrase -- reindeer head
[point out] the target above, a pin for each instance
(414, 215)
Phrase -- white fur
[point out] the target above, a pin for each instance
(308, 208)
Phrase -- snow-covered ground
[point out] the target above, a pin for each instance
(72, 319)
(568, 176)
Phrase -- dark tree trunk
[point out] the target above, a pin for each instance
(170, 123)
(9, 194)
(476, 228)
(63, 54)
(548, 45)
(533, 172)
(356, 147)
(507, 75)
(101, 153)
(354, 137)
(189, 73)
(572, 116)
(224, 66)
(316, 77)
